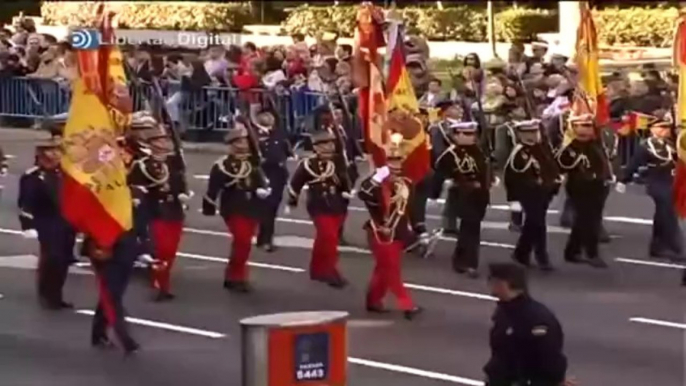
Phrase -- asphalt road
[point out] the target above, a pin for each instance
(624, 326)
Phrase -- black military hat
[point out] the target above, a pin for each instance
(55, 124)
(48, 141)
(238, 130)
(445, 104)
(662, 123)
(530, 125)
(512, 274)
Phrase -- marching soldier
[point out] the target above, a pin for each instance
(441, 140)
(387, 230)
(41, 218)
(658, 155)
(328, 197)
(466, 164)
(235, 188)
(166, 193)
(532, 179)
(113, 268)
(505, 143)
(275, 150)
(585, 162)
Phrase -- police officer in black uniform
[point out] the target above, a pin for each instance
(41, 218)
(587, 166)
(532, 178)
(658, 155)
(466, 164)
(275, 152)
(526, 338)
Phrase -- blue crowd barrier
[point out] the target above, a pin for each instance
(209, 108)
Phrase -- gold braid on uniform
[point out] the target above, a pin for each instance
(399, 204)
(329, 172)
(531, 162)
(243, 172)
(156, 181)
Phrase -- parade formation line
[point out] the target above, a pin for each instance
(165, 326)
(657, 322)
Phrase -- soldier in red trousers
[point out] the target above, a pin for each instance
(327, 202)
(235, 187)
(165, 194)
(387, 230)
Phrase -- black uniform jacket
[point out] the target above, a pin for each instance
(469, 171)
(161, 186)
(526, 345)
(531, 168)
(325, 186)
(584, 162)
(234, 182)
(657, 157)
(391, 224)
(39, 199)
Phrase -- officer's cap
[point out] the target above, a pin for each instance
(464, 127)
(48, 142)
(530, 125)
(512, 274)
(236, 133)
(581, 119)
(321, 136)
(559, 56)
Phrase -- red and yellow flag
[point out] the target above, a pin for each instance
(400, 96)
(586, 59)
(679, 58)
(95, 196)
(632, 122)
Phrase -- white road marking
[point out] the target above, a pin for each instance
(369, 323)
(657, 322)
(202, 177)
(165, 326)
(10, 156)
(11, 232)
(2, 296)
(650, 263)
(250, 263)
(629, 220)
(415, 371)
(30, 262)
(445, 291)
(82, 264)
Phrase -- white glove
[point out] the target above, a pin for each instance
(349, 195)
(432, 202)
(146, 259)
(515, 206)
(381, 174)
(263, 193)
(136, 202)
(3, 172)
(287, 210)
(496, 182)
(620, 188)
(30, 234)
(185, 197)
(294, 157)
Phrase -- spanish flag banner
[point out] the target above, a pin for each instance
(401, 98)
(586, 59)
(95, 195)
(679, 58)
(633, 122)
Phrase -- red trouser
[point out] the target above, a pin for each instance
(242, 229)
(166, 236)
(324, 263)
(387, 275)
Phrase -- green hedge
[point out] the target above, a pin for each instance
(462, 23)
(630, 26)
(191, 16)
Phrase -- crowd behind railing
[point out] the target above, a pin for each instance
(203, 90)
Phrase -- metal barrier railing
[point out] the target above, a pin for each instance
(203, 109)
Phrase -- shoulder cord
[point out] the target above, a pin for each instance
(466, 164)
(243, 172)
(579, 159)
(531, 162)
(329, 171)
(155, 181)
(665, 160)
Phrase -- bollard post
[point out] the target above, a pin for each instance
(295, 349)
